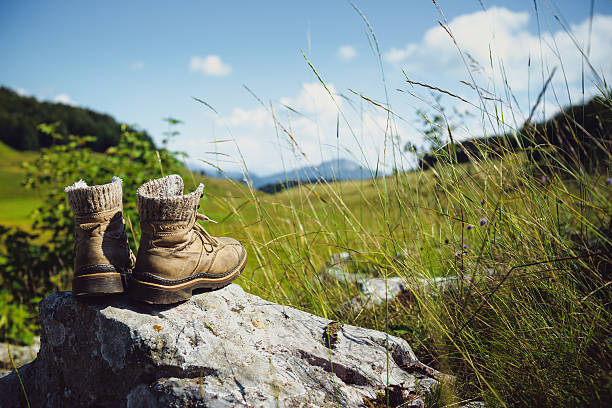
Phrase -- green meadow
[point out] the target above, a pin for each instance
(523, 225)
(530, 327)
(16, 203)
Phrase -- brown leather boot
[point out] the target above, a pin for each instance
(103, 258)
(176, 255)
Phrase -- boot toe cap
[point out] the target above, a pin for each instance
(229, 241)
(230, 255)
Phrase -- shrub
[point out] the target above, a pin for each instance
(36, 263)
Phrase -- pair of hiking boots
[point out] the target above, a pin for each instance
(175, 256)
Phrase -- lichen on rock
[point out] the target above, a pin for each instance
(220, 349)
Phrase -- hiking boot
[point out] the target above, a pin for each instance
(103, 258)
(176, 254)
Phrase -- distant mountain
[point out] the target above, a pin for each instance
(333, 170)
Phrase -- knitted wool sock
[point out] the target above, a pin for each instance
(163, 200)
(84, 199)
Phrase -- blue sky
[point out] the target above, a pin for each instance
(142, 61)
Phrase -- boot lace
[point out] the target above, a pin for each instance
(199, 228)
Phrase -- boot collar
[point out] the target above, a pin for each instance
(166, 227)
(116, 214)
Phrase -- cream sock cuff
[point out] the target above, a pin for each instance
(163, 200)
(84, 199)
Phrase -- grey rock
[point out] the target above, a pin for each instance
(223, 348)
(21, 354)
(374, 291)
(474, 404)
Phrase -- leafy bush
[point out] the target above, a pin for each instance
(35, 264)
(17, 320)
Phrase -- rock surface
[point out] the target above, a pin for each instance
(219, 349)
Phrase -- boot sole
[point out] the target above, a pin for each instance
(157, 294)
(98, 284)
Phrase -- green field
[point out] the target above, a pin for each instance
(16, 203)
(511, 203)
(529, 329)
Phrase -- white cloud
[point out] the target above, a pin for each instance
(257, 118)
(347, 53)
(65, 99)
(22, 92)
(398, 55)
(310, 116)
(137, 65)
(209, 65)
(499, 38)
(509, 62)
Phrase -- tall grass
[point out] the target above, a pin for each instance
(532, 325)
(529, 325)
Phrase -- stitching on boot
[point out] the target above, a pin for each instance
(105, 215)
(149, 277)
(95, 268)
(162, 229)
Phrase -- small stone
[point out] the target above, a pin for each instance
(374, 291)
(21, 354)
(330, 335)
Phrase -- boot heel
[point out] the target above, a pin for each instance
(98, 284)
(145, 292)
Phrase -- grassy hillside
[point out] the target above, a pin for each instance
(241, 212)
(577, 132)
(16, 203)
(20, 117)
(534, 238)
(530, 327)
